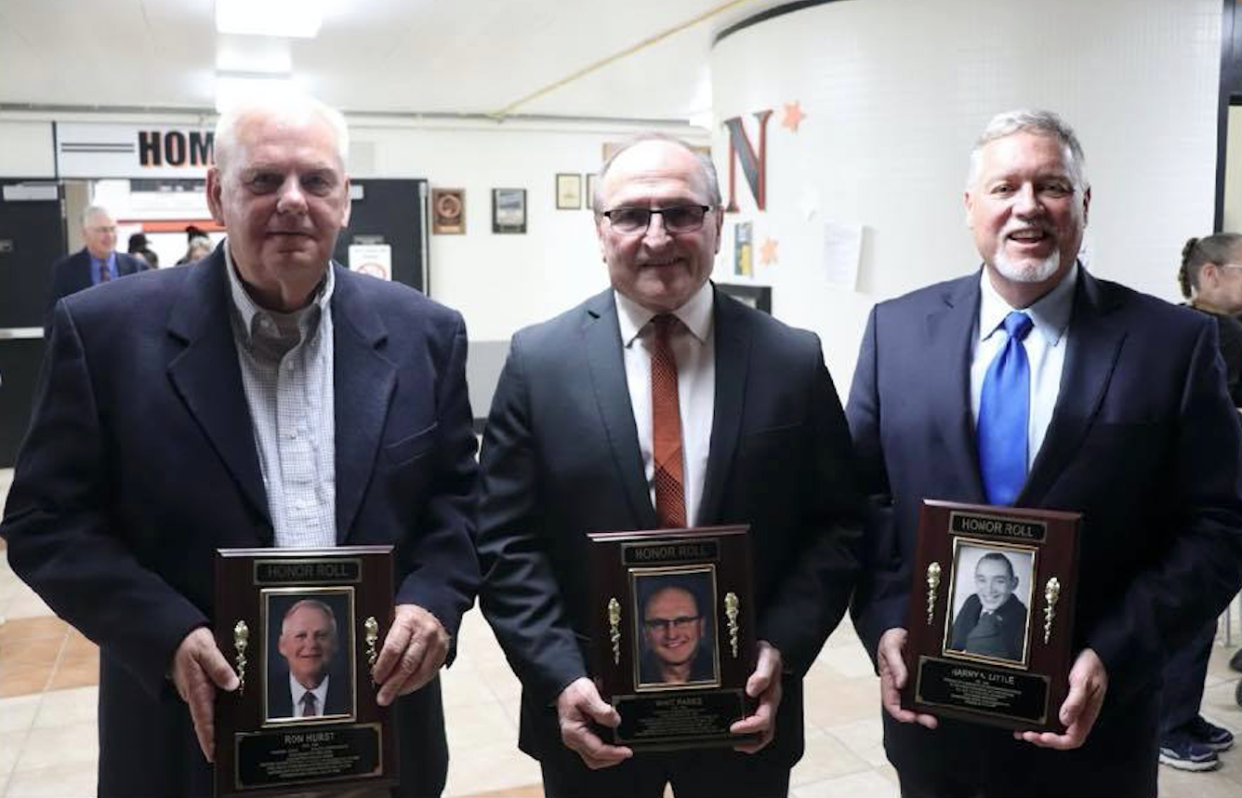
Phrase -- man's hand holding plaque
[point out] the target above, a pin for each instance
(414, 650)
(198, 671)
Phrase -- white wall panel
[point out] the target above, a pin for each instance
(895, 92)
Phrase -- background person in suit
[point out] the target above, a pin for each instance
(992, 622)
(308, 643)
(160, 436)
(1123, 416)
(97, 262)
(662, 403)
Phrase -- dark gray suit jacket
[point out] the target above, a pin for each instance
(561, 459)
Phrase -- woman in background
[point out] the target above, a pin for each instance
(1211, 281)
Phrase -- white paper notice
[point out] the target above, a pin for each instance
(842, 253)
(372, 259)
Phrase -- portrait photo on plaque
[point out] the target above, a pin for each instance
(309, 652)
(991, 600)
(677, 632)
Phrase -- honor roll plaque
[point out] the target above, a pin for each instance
(991, 614)
(673, 634)
(302, 629)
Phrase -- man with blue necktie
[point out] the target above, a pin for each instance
(97, 262)
(1032, 383)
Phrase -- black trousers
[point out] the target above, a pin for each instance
(1184, 673)
(719, 773)
(960, 760)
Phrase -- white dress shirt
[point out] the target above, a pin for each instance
(694, 348)
(1045, 348)
(297, 691)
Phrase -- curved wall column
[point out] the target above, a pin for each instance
(895, 93)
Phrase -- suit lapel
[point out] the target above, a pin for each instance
(1094, 343)
(733, 341)
(602, 337)
(364, 381)
(947, 380)
(207, 376)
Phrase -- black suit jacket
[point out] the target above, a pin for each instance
(72, 273)
(1144, 441)
(1011, 627)
(561, 459)
(141, 462)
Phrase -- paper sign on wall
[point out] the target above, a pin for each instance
(372, 259)
(842, 253)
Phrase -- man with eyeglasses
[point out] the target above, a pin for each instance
(662, 403)
(97, 262)
(675, 637)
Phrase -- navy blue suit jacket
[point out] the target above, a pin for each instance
(72, 274)
(561, 459)
(141, 462)
(1144, 441)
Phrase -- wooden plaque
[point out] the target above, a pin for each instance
(673, 634)
(991, 614)
(297, 623)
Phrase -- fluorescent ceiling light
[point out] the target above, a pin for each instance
(297, 18)
(253, 54)
(232, 89)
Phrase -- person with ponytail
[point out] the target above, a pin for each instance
(1211, 280)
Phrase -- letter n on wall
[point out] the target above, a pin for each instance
(754, 166)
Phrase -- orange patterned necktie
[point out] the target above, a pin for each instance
(666, 429)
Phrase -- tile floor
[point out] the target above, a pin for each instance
(49, 673)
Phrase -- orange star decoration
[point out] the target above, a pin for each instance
(767, 251)
(793, 116)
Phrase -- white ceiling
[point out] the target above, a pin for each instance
(402, 56)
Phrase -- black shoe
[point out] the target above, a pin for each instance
(1235, 661)
(1210, 734)
(1180, 751)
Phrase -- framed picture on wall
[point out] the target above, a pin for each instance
(448, 211)
(568, 192)
(508, 210)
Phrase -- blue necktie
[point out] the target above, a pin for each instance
(1004, 409)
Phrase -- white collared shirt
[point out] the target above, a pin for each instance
(297, 691)
(1045, 348)
(694, 348)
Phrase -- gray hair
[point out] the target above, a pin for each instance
(705, 164)
(91, 211)
(1026, 120)
(310, 604)
(294, 109)
(1220, 249)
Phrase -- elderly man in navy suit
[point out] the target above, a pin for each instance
(263, 396)
(97, 262)
(1033, 383)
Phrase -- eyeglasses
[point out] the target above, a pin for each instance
(677, 219)
(680, 623)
